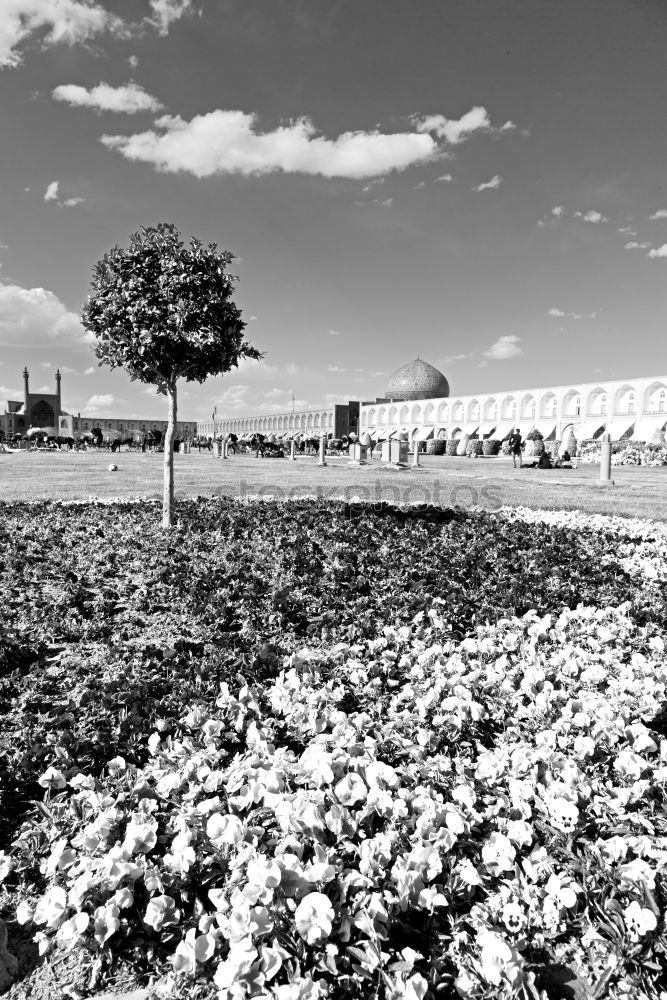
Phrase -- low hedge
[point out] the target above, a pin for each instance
(491, 447)
(452, 446)
(475, 448)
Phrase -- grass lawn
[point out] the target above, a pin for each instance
(441, 480)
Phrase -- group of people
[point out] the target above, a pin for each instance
(544, 461)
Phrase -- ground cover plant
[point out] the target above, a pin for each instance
(302, 750)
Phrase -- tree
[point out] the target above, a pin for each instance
(163, 311)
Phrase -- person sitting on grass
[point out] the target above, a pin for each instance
(564, 462)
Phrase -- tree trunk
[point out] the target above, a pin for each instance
(168, 495)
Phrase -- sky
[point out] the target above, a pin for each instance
(482, 183)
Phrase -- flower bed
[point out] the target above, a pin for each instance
(252, 790)
(639, 453)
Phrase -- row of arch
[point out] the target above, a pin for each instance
(597, 401)
(309, 420)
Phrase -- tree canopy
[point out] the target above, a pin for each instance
(163, 310)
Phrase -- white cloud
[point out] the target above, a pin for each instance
(53, 21)
(227, 142)
(35, 316)
(133, 61)
(9, 392)
(128, 99)
(559, 314)
(591, 216)
(101, 405)
(445, 177)
(377, 180)
(504, 348)
(167, 11)
(453, 130)
(626, 231)
(558, 211)
(379, 374)
(660, 214)
(90, 371)
(334, 333)
(51, 194)
(633, 245)
(336, 369)
(659, 252)
(491, 185)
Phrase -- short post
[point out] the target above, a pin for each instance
(415, 457)
(224, 449)
(605, 459)
(323, 449)
(292, 450)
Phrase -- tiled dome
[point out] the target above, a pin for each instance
(417, 380)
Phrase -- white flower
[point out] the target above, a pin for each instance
(498, 854)
(224, 830)
(639, 920)
(314, 917)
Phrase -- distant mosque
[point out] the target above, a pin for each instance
(44, 410)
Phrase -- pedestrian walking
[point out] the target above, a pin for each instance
(516, 445)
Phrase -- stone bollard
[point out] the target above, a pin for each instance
(323, 450)
(292, 450)
(224, 450)
(415, 457)
(605, 460)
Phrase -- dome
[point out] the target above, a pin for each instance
(417, 380)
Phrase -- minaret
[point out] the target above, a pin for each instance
(58, 402)
(26, 396)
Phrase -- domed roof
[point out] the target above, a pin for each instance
(417, 380)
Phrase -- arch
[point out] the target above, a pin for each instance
(549, 405)
(382, 415)
(316, 420)
(443, 412)
(491, 408)
(404, 414)
(458, 411)
(442, 434)
(456, 433)
(597, 402)
(572, 403)
(473, 409)
(508, 408)
(528, 407)
(655, 397)
(372, 416)
(392, 416)
(625, 399)
(429, 413)
(416, 414)
(42, 415)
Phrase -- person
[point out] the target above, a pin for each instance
(544, 461)
(515, 444)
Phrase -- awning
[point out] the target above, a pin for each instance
(503, 429)
(547, 429)
(589, 428)
(620, 427)
(398, 432)
(471, 427)
(486, 430)
(424, 433)
(369, 430)
(381, 433)
(645, 427)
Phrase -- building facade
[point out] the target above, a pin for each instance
(44, 410)
(632, 409)
(334, 421)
